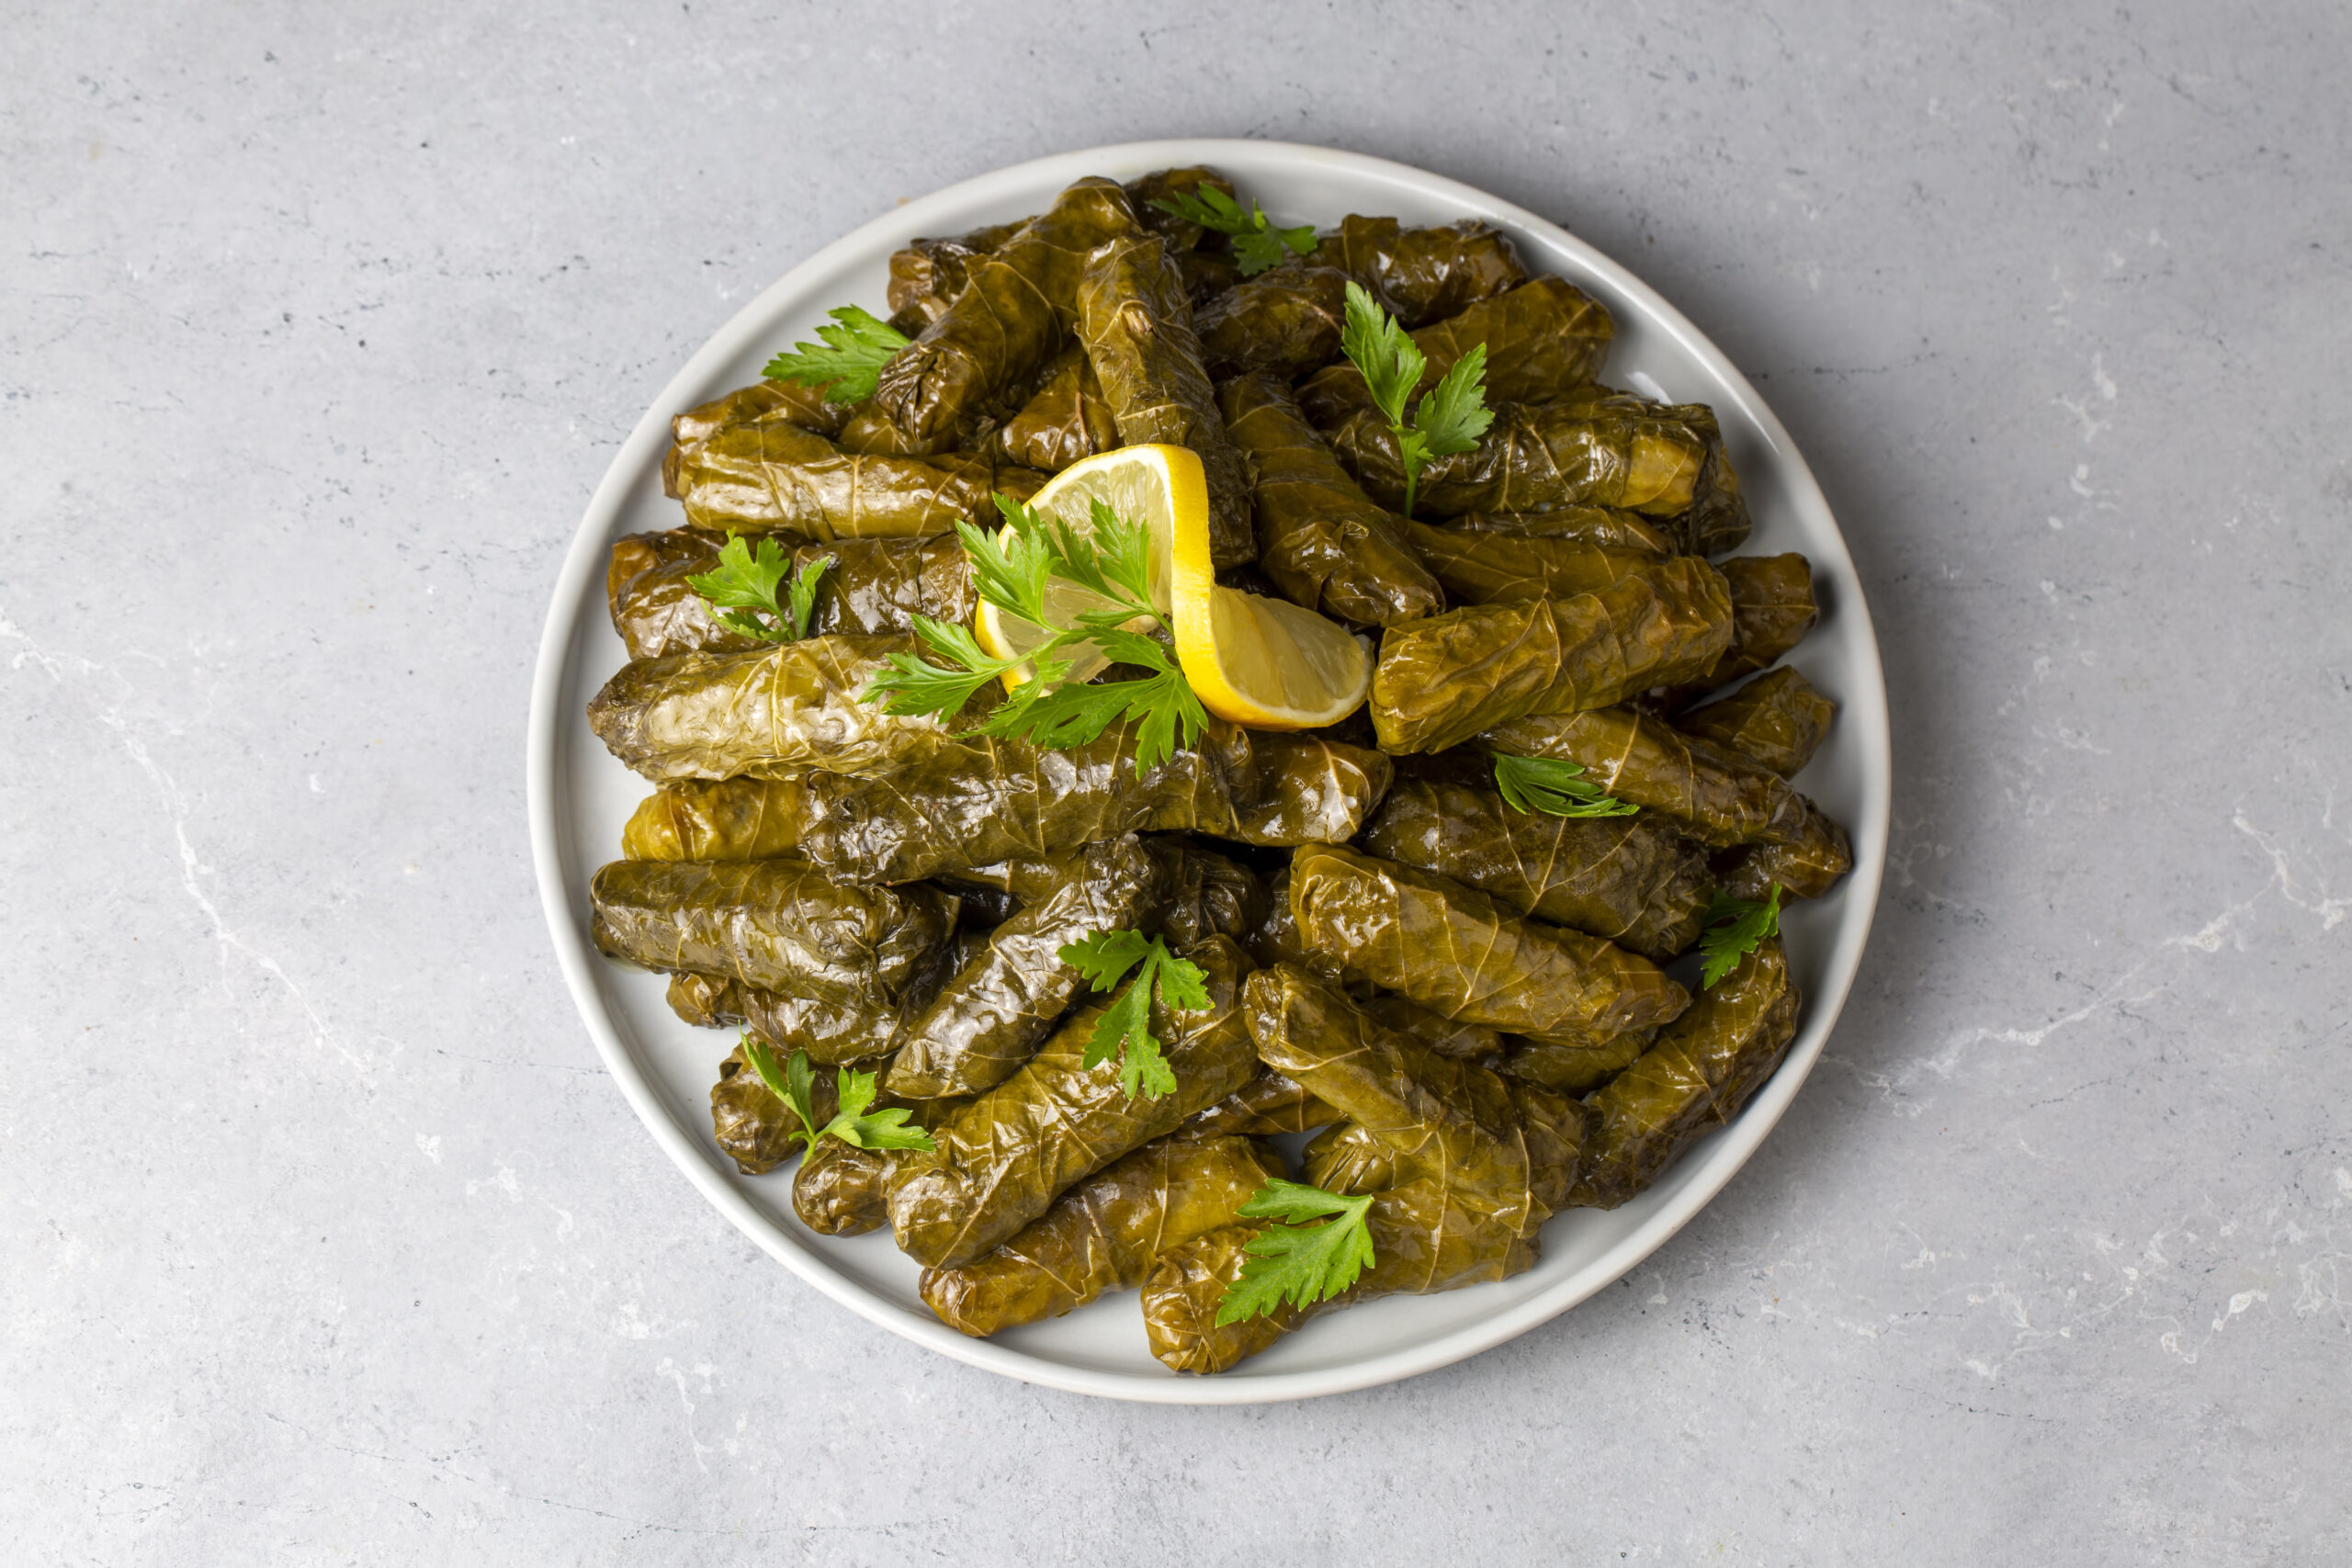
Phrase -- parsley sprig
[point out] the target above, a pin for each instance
(748, 584)
(1011, 570)
(1548, 784)
(848, 362)
(794, 1084)
(1300, 1263)
(1734, 929)
(1450, 418)
(1125, 1029)
(1256, 244)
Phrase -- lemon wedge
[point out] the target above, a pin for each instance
(1256, 661)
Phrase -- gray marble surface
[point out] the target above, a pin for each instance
(328, 1240)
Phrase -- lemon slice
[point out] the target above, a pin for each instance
(1257, 660)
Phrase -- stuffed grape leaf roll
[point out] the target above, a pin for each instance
(1310, 790)
(1421, 276)
(1536, 456)
(1608, 527)
(1632, 880)
(1068, 419)
(776, 925)
(1700, 1073)
(988, 1019)
(833, 1030)
(1456, 952)
(1488, 568)
(1102, 1234)
(927, 275)
(1320, 537)
(869, 587)
(1544, 339)
(780, 478)
(1780, 719)
(1136, 323)
(1772, 608)
(1285, 323)
(1017, 308)
(1266, 1105)
(1717, 796)
(1807, 866)
(1440, 680)
(1207, 894)
(1002, 1160)
(739, 818)
(751, 1124)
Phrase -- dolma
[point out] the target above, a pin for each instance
(1808, 866)
(763, 402)
(1018, 307)
(779, 479)
(1544, 338)
(1608, 527)
(751, 1124)
(1277, 941)
(1002, 1160)
(1772, 608)
(832, 1030)
(988, 1019)
(1268, 1104)
(706, 1001)
(1136, 323)
(1456, 952)
(1446, 1036)
(980, 801)
(1320, 538)
(1716, 519)
(776, 925)
(1536, 456)
(927, 275)
(716, 820)
(1715, 796)
(841, 1189)
(769, 712)
(1345, 1159)
(1310, 790)
(1067, 419)
(1780, 719)
(1632, 879)
(1207, 273)
(1207, 894)
(1420, 276)
(1488, 568)
(1181, 234)
(1102, 1234)
(1440, 680)
(1348, 1157)
(1021, 878)
(1575, 1069)
(1285, 323)
(1702, 1070)
(872, 587)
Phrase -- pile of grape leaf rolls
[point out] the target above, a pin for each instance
(1475, 1010)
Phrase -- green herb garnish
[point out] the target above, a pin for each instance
(1545, 784)
(1295, 1262)
(1451, 416)
(1256, 244)
(1010, 570)
(847, 363)
(794, 1084)
(1734, 929)
(745, 583)
(1125, 1029)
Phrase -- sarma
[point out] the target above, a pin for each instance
(1266, 1105)
(1320, 538)
(750, 1122)
(1136, 325)
(1772, 608)
(1016, 310)
(1181, 234)
(1002, 1160)
(1447, 1036)
(1807, 866)
(716, 820)
(1608, 527)
(1779, 719)
(1067, 419)
(779, 479)
(1543, 338)
(872, 587)
(1536, 456)
(762, 402)
(1310, 790)
(1207, 894)
(1421, 276)
(776, 925)
(987, 1020)
(1701, 1071)
(927, 275)
(1487, 568)
(768, 712)
(1102, 1234)
(841, 1189)
(833, 1030)
(1715, 795)
(1632, 879)
(1443, 680)
(1454, 951)
(1285, 323)
(1575, 1069)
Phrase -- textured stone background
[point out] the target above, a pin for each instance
(325, 1237)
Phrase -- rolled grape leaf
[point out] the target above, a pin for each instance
(1021, 878)
(1311, 790)
(1440, 680)
(1575, 1069)
(1320, 538)
(1015, 311)
(989, 1018)
(831, 1029)
(1779, 719)
(1182, 1293)
(869, 587)
(1544, 339)
(1490, 568)
(779, 479)
(716, 820)
(927, 275)
(776, 925)
(1772, 608)
(1002, 1160)
(1807, 866)
(1268, 1104)
(1421, 276)
(763, 402)
(1536, 456)
(770, 711)
(751, 1124)
(1457, 952)
(1068, 419)
(1136, 325)
(1349, 1157)
(1208, 894)
(1162, 184)
(1102, 1234)
(978, 802)
(1285, 323)
(1715, 796)
(1632, 880)
(1702, 1070)
(1608, 527)
(1446, 1036)
(1277, 941)
(843, 1189)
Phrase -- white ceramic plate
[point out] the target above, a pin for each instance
(580, 797)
